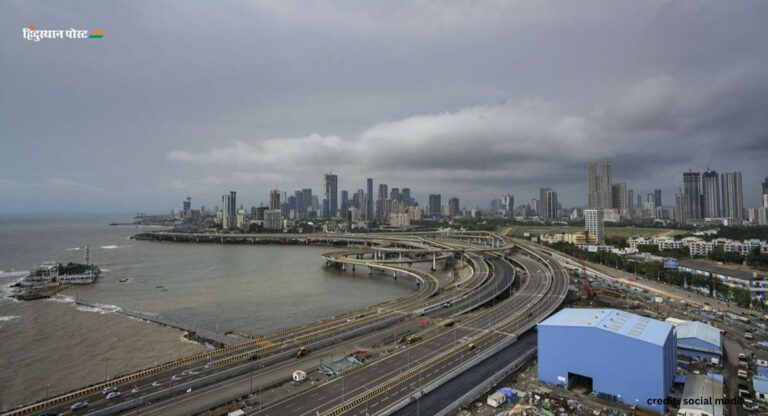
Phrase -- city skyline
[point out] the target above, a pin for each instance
(130, 132)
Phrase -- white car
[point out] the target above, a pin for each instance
(113, 395)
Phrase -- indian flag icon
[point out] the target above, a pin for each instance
(96, 33)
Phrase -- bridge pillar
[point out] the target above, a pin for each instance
(353, 267)
(434, 261)
(343, 267)
(370, 271)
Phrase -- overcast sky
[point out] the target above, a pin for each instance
(465, 98)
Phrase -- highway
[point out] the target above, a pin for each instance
(195, 379)
(176, 373)
(382, 386)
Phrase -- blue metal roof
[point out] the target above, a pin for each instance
(701, 331)
(762, 371)
(615, 321)
(760, 384)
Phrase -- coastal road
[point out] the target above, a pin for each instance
(383, 384)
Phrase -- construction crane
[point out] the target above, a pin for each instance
(587, 284)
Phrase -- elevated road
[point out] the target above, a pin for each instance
(220, 366)
(392, 382)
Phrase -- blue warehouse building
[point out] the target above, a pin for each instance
(618, 355)
(697, 339)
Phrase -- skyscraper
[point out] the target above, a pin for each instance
(383, 191)
(381, 205)
(406, 195)
(691, 196)
(508, 202)
(543, 207)
(369, 200)
(594, 224)
(229, 210)
(710, 185)
(680, 208)
(619, 198)
(631, 201)
(657, 198)
(394, 194)
(435, 205)
(187, 206)
(331, 196)
(733, 199)
(765, 193)
(274, 199)
(453, 207)
(306, 195)
(548, 205)
(344, 203)
(599, 187)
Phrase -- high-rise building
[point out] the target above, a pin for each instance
(599, 187)
(406, 195)
(680, 208)
(331, 196)
(435, 205)
(299, 207)
(344, 204)
(383, 194)
(733, 199)
(691, 196)
(369, 200)
(594, 224)
(453, 207)
(273, 219)
(710, 185)
(229, 210)
(619, 198)
(274, 199)
(657, 198)
(187, 206)
(631, 201)
(639, 203)
(548, 205)
(381, 213)
(306, 194)
(765, 193)
(394, 194)
(543, 207)
(508, 204)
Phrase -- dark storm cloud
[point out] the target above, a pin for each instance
(471, 99)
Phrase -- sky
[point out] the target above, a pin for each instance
(473, 99)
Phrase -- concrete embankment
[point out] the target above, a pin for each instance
(202, 336)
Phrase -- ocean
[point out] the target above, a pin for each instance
(51, 346)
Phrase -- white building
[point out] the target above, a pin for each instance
(594, 224)
(399, 220)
